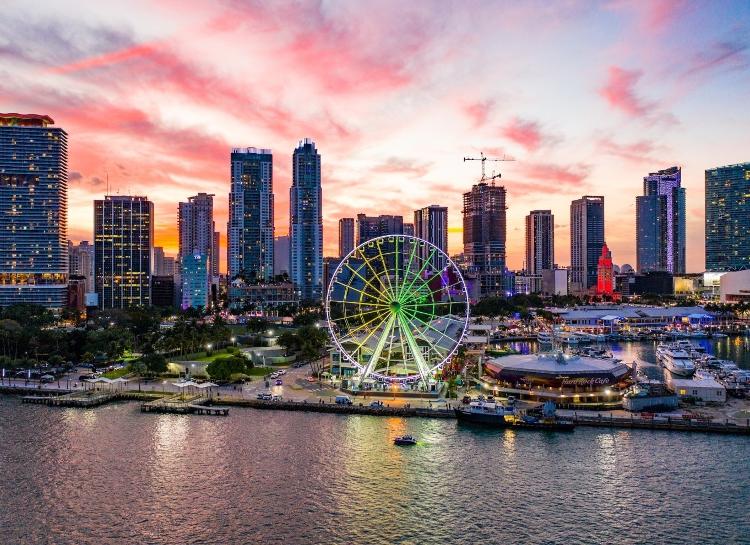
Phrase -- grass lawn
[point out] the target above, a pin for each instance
(117, 373)
(214, 355)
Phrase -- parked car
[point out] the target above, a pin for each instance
(46, 378)
(343, 400)
(265, 396)
(276, 398)
(376, 405)
(279, 382)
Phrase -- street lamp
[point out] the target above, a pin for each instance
(233, 339)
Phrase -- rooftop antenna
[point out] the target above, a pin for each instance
(106, 176)
(483, 158)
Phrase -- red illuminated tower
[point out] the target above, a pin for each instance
(605, 273)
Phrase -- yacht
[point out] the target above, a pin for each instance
(568, 338)
(544, 337)
(676, 360)
(491, 414)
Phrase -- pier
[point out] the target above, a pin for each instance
(184, 404)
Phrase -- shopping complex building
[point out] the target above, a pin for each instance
(615, 318)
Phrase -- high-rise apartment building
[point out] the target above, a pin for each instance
(158, 267)
(728, 218)
(540, 241)
(33, 211)
(250, 228)
(431, 224)
(369, 227)
(484, 223)
(586, 241)
(196, 227)
(196, 289)
(660, 223)
(81, 260)
(281, 249)
(346, 236)
(169, 267)
(123, 248)
(197, 237)
(216, 256)
(306, 222)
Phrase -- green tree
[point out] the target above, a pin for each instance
(155, 364)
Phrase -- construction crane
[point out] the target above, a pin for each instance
(483, 158)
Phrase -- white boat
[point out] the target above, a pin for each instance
(698, 334)
(568, 338)
(544, 337)
(677, 361)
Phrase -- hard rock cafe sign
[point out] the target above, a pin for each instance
(582, 381)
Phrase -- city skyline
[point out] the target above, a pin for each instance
(140, 121)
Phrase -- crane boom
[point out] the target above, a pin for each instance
(483, 158)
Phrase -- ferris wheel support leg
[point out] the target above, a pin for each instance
(414, 347)
(378, 348)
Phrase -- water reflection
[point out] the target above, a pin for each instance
(276, 477)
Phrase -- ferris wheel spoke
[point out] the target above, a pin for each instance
(385, 265)
(421, 270)
(359, 303)
(381, 316)
(426, 283)
(414, 302)
(384, 291)
(406, 270)
(380, 291)
(415, 350)
(375, 356)
(433, 328)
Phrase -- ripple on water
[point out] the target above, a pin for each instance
(113, 475)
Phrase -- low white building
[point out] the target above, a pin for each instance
(734, 287)
(700, 387)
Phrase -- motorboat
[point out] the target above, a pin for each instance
(482, 412)
(404, 440)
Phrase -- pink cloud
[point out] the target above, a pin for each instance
(407, 167)
(479, 112)
(552, 174)
(721, 54)
(619, 92)
(636, 152)
(524, 133)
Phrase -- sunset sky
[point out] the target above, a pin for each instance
(588, 97)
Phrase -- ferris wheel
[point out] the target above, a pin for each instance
(397, 309)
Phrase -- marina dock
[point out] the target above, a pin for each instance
(184, 404)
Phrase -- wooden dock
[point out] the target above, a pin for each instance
(82, 399)
(184, 404)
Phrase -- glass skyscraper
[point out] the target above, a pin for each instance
(431, 224)
(306, 222)
(196, 231)
(195, 280)
(123, 250)
(33, 211)
(586, 241)
(660, 223)
(728, 218)
(250, 228)
(540, 241)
